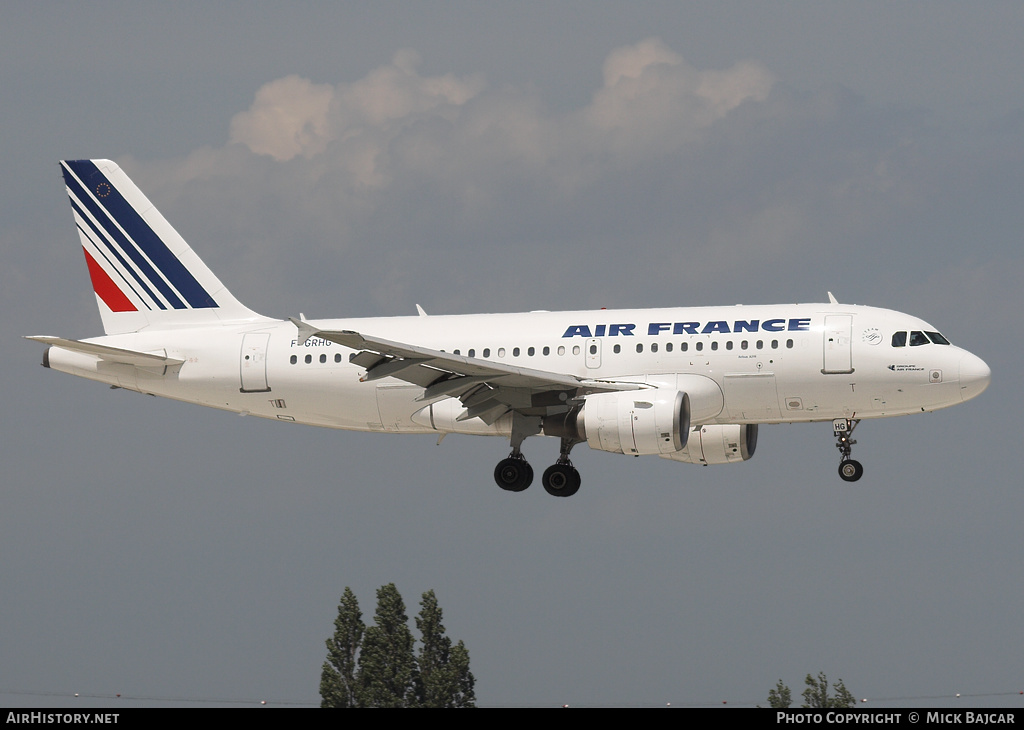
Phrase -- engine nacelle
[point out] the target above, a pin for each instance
(718, 444)
(636, 422)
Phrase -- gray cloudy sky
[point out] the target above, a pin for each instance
(355, 159)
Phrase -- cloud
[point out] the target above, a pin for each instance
(294, 117)
(419, 181)
(650, 103)
(653, 99)
(289, 117)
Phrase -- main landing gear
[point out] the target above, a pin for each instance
(515, 474)
(561, 478)
(849, 470)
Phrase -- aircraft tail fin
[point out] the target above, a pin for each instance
(142, 271)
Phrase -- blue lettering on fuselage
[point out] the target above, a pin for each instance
(801, 324)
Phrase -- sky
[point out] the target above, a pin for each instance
(357, 159)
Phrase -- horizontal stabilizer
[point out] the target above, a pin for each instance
(110, 354)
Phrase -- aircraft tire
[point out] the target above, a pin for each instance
(561, 480)
(513, 475)
(850, 470)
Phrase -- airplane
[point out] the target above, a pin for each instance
(689, 384)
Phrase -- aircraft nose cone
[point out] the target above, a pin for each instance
(974, 376)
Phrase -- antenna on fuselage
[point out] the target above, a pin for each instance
(832, 299)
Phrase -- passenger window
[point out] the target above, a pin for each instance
(714, 345)
(617, 349)
(515, 352)
(899, 339)
(531, 352)
(760, 344)
(668, 347)
(918, 338)
(683, 346)
(699, 346)
(775, 344)
(654, 347)
(639, 348)
(323, 358)
(471, 353)
(744, 345)
(487, 352)
(456, 352)
(547, 351)
(561, 350)
(728, 345)
(337, 357)
(501, 352)
(593, 349)
(789, 344)
(575, 349)
(294, 359)
(309, 359)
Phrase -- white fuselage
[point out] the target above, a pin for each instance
(772, 364)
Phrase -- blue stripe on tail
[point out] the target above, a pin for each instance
(115, 207)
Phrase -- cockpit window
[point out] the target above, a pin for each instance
(918, 338)
(899, 339)
(937, 338)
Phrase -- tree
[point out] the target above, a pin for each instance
(816, 694)
(338, 677)
(376, 666)
(780, 696)
(462, 691)
(387, 674)
(444, 676)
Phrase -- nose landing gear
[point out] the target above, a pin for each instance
(849, 469)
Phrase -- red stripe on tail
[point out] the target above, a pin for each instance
(106, 289)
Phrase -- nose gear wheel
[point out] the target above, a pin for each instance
(850, 470)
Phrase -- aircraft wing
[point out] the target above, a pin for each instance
(487, 389)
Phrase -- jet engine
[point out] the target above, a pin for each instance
(633, 422)
(718, 444)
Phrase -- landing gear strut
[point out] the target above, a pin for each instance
(561, 478)
(515, 474)
(849, 470)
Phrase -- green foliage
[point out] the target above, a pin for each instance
(338, 677)
(462, 691)
(376, 666)
(445, 679)
(387, 668)
(780, 696)
(817, 694)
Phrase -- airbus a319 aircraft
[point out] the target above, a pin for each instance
(688, 384)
